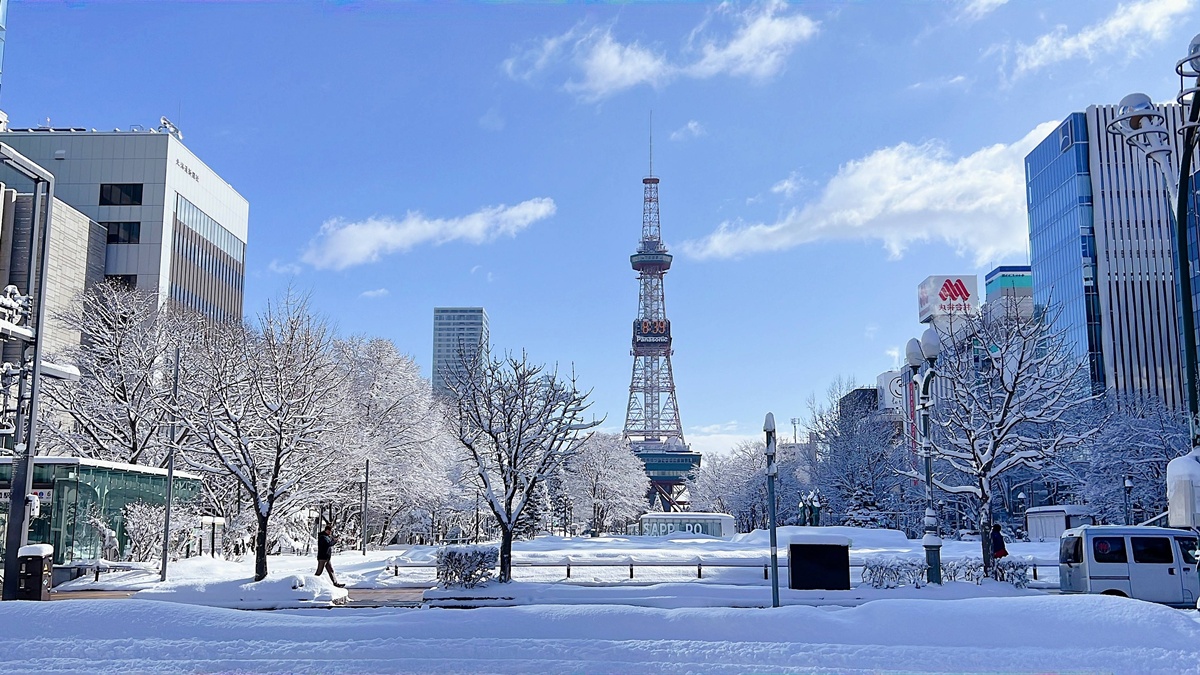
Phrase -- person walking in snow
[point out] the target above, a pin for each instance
(998, 550)
(325, 542)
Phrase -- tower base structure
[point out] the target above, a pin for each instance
(669, 470)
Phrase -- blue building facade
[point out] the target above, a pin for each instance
(1062, 238)
(1102, 250)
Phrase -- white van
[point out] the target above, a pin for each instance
(1156, 564)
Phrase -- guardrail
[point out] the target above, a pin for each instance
(699, 563)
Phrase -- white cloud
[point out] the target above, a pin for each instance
(719, 444)
(788, 187)
(290, 269)
(600, 65)
(340, 244)
(609, 66)
(492, 120)
(974, 10)
(939, 83)
(870, 331)
(893, 353)
(717, 428)
(1123, 31)
(899, 195)
(759, 47)
(692, 129)
(377, 293)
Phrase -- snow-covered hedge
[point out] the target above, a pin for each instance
(466, 566)
(891, 572)
(1015, 572)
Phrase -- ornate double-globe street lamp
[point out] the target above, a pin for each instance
(924, 352)
(1144, 127)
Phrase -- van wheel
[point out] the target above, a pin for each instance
(1118, 594)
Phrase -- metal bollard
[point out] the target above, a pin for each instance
(630, 570)
(699, 570)
(568, 570)
(396, 570)
(1035, 572)
(766, 574)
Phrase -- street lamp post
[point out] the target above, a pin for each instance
(925, 352)
(366, 481)
(769, 428)
(1128, 510)
(31, 306)
(1144, 127)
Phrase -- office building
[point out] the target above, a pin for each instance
(456, 330)
(1009, 288)
(1101, 250)
(174, 227)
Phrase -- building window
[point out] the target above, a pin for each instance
(127, 280)
(120, 194)
(124, 233)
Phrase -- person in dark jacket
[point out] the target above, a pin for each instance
(998, 550)
(325, 542)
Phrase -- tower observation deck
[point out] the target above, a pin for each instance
(652, 425)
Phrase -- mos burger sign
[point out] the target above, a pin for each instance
(944, 295)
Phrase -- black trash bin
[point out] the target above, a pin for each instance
(35, 574)
(819, 566)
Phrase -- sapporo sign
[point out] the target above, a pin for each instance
(658, 526)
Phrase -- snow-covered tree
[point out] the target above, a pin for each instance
(143, 526)
(862, 511)
(608, 483)
(118, 409)
(394, 424)
(517, 423)
(1010, 385)
(262, 407)
(1137, 437)
(737, 484)
(859, 451)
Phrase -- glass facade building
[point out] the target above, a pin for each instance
(79, 496)
(1062, 238)
(1101, 254)
(455, 328)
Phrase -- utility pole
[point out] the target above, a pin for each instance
(162, 575)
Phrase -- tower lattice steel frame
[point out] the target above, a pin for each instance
(652, 425)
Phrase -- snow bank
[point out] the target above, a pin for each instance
(274, 592)
(1018, 634)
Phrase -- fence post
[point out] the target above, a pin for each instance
(1035, 571)
(630, 569)
(699, 570)
(568, 569)
(766, 575)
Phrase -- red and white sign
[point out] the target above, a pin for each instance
(945, 295)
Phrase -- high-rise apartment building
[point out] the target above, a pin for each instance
(456, 330)
(174, 227)
(1101, 248)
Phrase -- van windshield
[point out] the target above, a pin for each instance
(1070, 550)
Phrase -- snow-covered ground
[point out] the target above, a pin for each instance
(664, 620)
(594, 560)
(1037, 634)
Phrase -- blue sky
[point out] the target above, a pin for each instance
(818, 160)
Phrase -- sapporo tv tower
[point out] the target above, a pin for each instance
(652, 425)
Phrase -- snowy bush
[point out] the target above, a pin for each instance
(881, 572)
(144, 529)
(466, 566)
(1015, 572)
